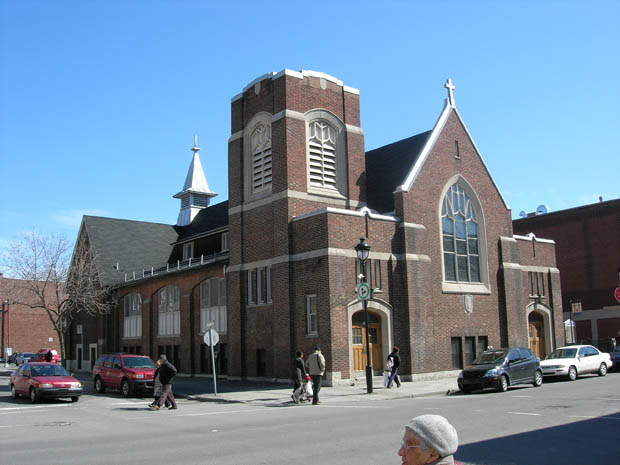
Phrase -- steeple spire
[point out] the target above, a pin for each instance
(196, 194)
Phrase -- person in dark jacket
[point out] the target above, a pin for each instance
(49, 356)
(395, 358)
(167, 371)
(299, 375)
(157, 389)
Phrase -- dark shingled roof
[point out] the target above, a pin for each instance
(134, 245)
(388, 166)
(207, 219)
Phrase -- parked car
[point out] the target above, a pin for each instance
(41, 354)
(574, 361)
(500, 368)
(42, 380)
(23, 357)
(129, 373)
(13, 356)
(615, 358)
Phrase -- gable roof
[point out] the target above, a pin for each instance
(207, 220)
(386, 168)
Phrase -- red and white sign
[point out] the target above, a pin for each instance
(617, 294)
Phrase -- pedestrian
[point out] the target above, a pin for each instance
(299, 375)
(49, 356)
(167, 371)
(394, 358)
(429, 439)
(316, 367)
(157, 388)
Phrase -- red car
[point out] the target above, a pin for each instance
(130, 373)
(42, 380)
(40, 356)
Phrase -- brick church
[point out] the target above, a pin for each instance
(274, 269)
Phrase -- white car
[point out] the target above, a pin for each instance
(574, 361)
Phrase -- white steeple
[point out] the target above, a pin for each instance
(196, 194)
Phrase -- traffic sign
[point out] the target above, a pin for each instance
(211, 337)
(617, 294)
(363, 291)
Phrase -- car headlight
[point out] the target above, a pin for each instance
(490, 373)
(76, 385)
(461, 375)
(46, 385)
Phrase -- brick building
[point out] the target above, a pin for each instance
(588, 256)
(274, 267)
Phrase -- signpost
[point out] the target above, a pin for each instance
(363, 291)
(211, 338)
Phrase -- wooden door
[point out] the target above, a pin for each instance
(359, 347)
(536, 335)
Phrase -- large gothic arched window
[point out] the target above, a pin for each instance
(460, 235)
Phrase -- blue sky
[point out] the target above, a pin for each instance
(99, 101)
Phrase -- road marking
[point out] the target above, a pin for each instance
(221, 413)
(352, 406)
(522, 396)
(431, 408)
(32, 407)
(526, 413)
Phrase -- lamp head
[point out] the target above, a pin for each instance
(362, 249)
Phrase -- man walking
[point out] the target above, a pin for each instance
(395, 359)
(167, 371)
(316, 367)
(299, 375)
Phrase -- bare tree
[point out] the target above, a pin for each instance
(48, 278)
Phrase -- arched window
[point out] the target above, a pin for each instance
(132, 315)
(461, 248)
(213, 305)
(169, 322)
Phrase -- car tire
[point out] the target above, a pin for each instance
(502, 383)
(75, 399)
(14, 392)
(572, 373)
(99, 386)
(34, 396)
(126, 388)
(602, 370)
(538, 379)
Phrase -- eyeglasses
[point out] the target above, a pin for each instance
(405, 446)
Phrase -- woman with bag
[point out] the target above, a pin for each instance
(394, 361)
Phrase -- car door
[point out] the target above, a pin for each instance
(106, 371)
(529, 363)
(584, 358)
(594, 359)
(116, 372)
(22, 384)
(514, 366)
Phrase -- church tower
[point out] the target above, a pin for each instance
(195, 194)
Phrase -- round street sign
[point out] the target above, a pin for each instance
(363, 291)
(617, 294)
(211, 337)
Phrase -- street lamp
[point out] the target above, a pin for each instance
(5, 311)
(363, 250)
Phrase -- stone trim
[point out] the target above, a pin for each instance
(466, 288)
(536, 269)
(532, 237)
(338, 211)
(235, 136)
(293, 194)
(412, 225)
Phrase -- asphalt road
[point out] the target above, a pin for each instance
(559, 423)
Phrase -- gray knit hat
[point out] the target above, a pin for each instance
(436, 432)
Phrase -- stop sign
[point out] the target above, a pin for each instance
(617, 294)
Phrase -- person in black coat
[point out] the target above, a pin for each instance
(395, 358)
(49, 356)
(299, 375)
(167, 371)
(157, 389)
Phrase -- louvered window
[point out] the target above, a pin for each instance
(261, 157)
(322, 155)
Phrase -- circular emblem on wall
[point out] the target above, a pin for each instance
(468, 303)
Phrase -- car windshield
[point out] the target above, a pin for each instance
(138, 362)
(490, 356)
(48, 370)
(562, 353)
(27, 354)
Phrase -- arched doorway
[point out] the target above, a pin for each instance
(536, 334)
(359, 341)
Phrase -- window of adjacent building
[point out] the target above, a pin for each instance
(259, 286)
(250, 287)
(483, 343)
(312, 323)
(260, 141)
(188, 250)
(132, 312)
(213, 305)
(537, 284)
(470, 351)
(169, 323)
(224, 242)
(268, 283)
(377, 274)
(457, 352)
(460, 237)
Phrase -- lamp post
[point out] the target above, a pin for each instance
(363, 250)
(5, 311)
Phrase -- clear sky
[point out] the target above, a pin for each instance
(100, 101)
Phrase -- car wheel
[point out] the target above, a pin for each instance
(502, 383)
(34, 397)
(125, 388)
(99, 386)
(75, 399)
(572, 373)
(538, 379)
(14, 392)
(602, 370)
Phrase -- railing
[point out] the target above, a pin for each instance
(175, 267)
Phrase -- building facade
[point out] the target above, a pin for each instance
(448, 276)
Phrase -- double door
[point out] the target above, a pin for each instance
(359, 347)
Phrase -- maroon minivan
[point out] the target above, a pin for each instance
(129, 373)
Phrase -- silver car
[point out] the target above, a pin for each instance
(23, 358)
